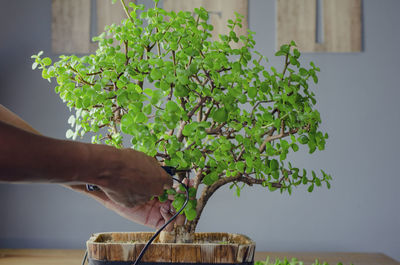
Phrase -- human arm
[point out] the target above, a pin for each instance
(152, 213)
(128, 177)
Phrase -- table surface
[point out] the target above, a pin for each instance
(74, 257)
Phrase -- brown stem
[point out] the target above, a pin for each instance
(207, 113)
(84, 81)
(215, 130)
(286, 65)
(180, 134)
(163, 155)
(198, 105)
(275, 137)
(209, 191)
(241, 154)
(256, 105)
(171, 92)
(95, 73)
(200, 114)
(126, 53)
(223, 69)
(126, 10)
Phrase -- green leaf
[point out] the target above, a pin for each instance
(140, 118)
(171, 106)
(303, 72)
(147, 109)
(303, 139)
(220, 115)
(69, 134)
(163, 197)
(171, 191)
(240, 166)
(318, 182)
(46, 61)
(71, 120)
(280, 53)
(328, 185)
(295, 147)
(210, 178)
(238, 191)
(178, 202)
(304, 180)
(274, 165)
(181, 187)
(148, 91)
(156, 74)
(252, 92)
(190, 214)
(192, 192)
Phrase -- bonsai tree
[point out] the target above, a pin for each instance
(159, 82)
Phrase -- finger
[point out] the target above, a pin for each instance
(180, 219)
(167, 215)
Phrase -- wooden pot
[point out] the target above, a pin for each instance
(208, 248)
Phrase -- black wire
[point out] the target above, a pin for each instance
(84, 258)
(159, 230)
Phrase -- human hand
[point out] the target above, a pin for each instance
(152, 213)
(128, 177)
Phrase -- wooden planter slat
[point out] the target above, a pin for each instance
(224, 248)
(208, 253)
(186, 253)
(226, 253)
(155, 253)
(242, 252)
(250, 253)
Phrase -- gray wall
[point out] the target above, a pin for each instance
(358, 100)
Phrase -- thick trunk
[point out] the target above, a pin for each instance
(179, 234)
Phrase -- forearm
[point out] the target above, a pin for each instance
(11, 118)
(95, 171)
(126, 176)
(26, 157)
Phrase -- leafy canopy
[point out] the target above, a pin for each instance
(212, 106)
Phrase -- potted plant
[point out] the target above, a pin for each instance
(211, 108)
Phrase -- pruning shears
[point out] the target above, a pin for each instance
(170, 170)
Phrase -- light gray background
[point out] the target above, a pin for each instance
(358, 99)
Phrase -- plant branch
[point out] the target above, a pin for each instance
(286, 65)
(270, 138)
(180, 134)
(209, 191)
(198, 105)
(126, 10)
(215, 130)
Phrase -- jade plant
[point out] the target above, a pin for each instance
(158, 83)
(285, 261)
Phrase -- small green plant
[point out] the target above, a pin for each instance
(158, 81)
(287, 262)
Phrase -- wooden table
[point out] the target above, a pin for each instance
(74, 257)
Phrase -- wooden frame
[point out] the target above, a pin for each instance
(341, 19)
(71, 23)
